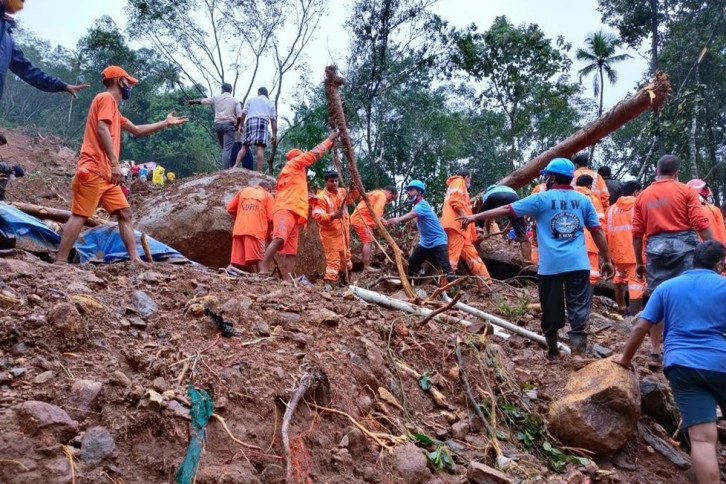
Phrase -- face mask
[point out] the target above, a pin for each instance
(411, 198)
(125, 92)
(13, 6)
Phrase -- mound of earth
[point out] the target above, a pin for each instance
(95, 364)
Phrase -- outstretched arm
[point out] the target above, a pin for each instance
(146, 129)
(397, 220)
(489, 214)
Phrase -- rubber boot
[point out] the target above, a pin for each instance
(553, 352)
(578, 343)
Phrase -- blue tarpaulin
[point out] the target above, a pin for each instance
(98, 244)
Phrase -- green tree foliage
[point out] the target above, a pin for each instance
(599, 54)
(523, 75)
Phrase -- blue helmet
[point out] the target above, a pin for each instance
(560, 166)
(416, 184)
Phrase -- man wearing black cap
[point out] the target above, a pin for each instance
(614, 186)
(259, 113)
(227, 113)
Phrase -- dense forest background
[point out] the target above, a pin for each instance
(423, 99)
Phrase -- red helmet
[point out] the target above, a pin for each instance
(700, 186)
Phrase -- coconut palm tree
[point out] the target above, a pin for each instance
(600, 55)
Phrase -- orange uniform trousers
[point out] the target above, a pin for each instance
(461, 245)
(625, 274)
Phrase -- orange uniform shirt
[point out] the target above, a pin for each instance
(252, 208)
(599, 187)
(361, 215)
(326, 204)
(715, 218)
(93, 157)
(619, 223)
(667, 206)
(292, 184)
(589, 241)
(457, 198)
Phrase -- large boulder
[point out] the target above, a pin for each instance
(599, 409)
(191, 217)
(656, 401)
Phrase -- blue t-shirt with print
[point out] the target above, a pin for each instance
(694, 328)
(562, 215)
(432, 233)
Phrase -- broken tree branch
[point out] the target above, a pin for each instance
(337, 118)
(147, 250)
(442, 309)
(54, 214)
(651, 96)
(469, 394)
(305, 382)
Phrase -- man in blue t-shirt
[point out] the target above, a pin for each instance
(694, 343)
(562, 215)
(433, 243)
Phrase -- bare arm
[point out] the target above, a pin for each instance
(706, 234)
(489, 214)
(147, 129)
(607, 269)
(634, 342)
(397, 220)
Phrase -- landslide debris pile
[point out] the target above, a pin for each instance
(95, 364)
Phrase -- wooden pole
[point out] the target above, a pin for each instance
(54, 214)
(336, 116)
(651, 96)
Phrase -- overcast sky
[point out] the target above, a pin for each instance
(65, 23)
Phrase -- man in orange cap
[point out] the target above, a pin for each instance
(362, 221)
(252, 209)
(99, 173)
(292, 205)
(711, 211)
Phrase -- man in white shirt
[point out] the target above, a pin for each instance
(259, 112)
(227, 112)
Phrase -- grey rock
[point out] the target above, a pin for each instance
(119, 379)
(44, 377)
(262, 328)
(411, 464)
(34, 416)
(289, 317)
(18, 371)
(459, 430)
(66, 318)
(5, 377)
(177, 410)
(357, 442)
(602, 351)
(160, 385)
(478, 473)
(97, 444)
(82, 397)
(656, 401)
(19, 349)
(137, 322)
(144, 305)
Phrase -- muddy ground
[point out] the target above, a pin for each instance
(95, 364)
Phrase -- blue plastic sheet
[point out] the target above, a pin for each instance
(98, 244)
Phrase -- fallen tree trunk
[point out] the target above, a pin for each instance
(337, 118)
(54, 214)
(651, 96)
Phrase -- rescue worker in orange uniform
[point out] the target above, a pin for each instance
(329, 212)
(582, 185)
(712, 212)
(362, 221)
(252, 209)
(599, 187)
(457, 204)
(619, 223)
(292, 206)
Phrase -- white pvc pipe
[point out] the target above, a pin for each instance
(386, 301)
(505, 324)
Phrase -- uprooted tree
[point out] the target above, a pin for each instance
(651, 96)
(337, 119)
